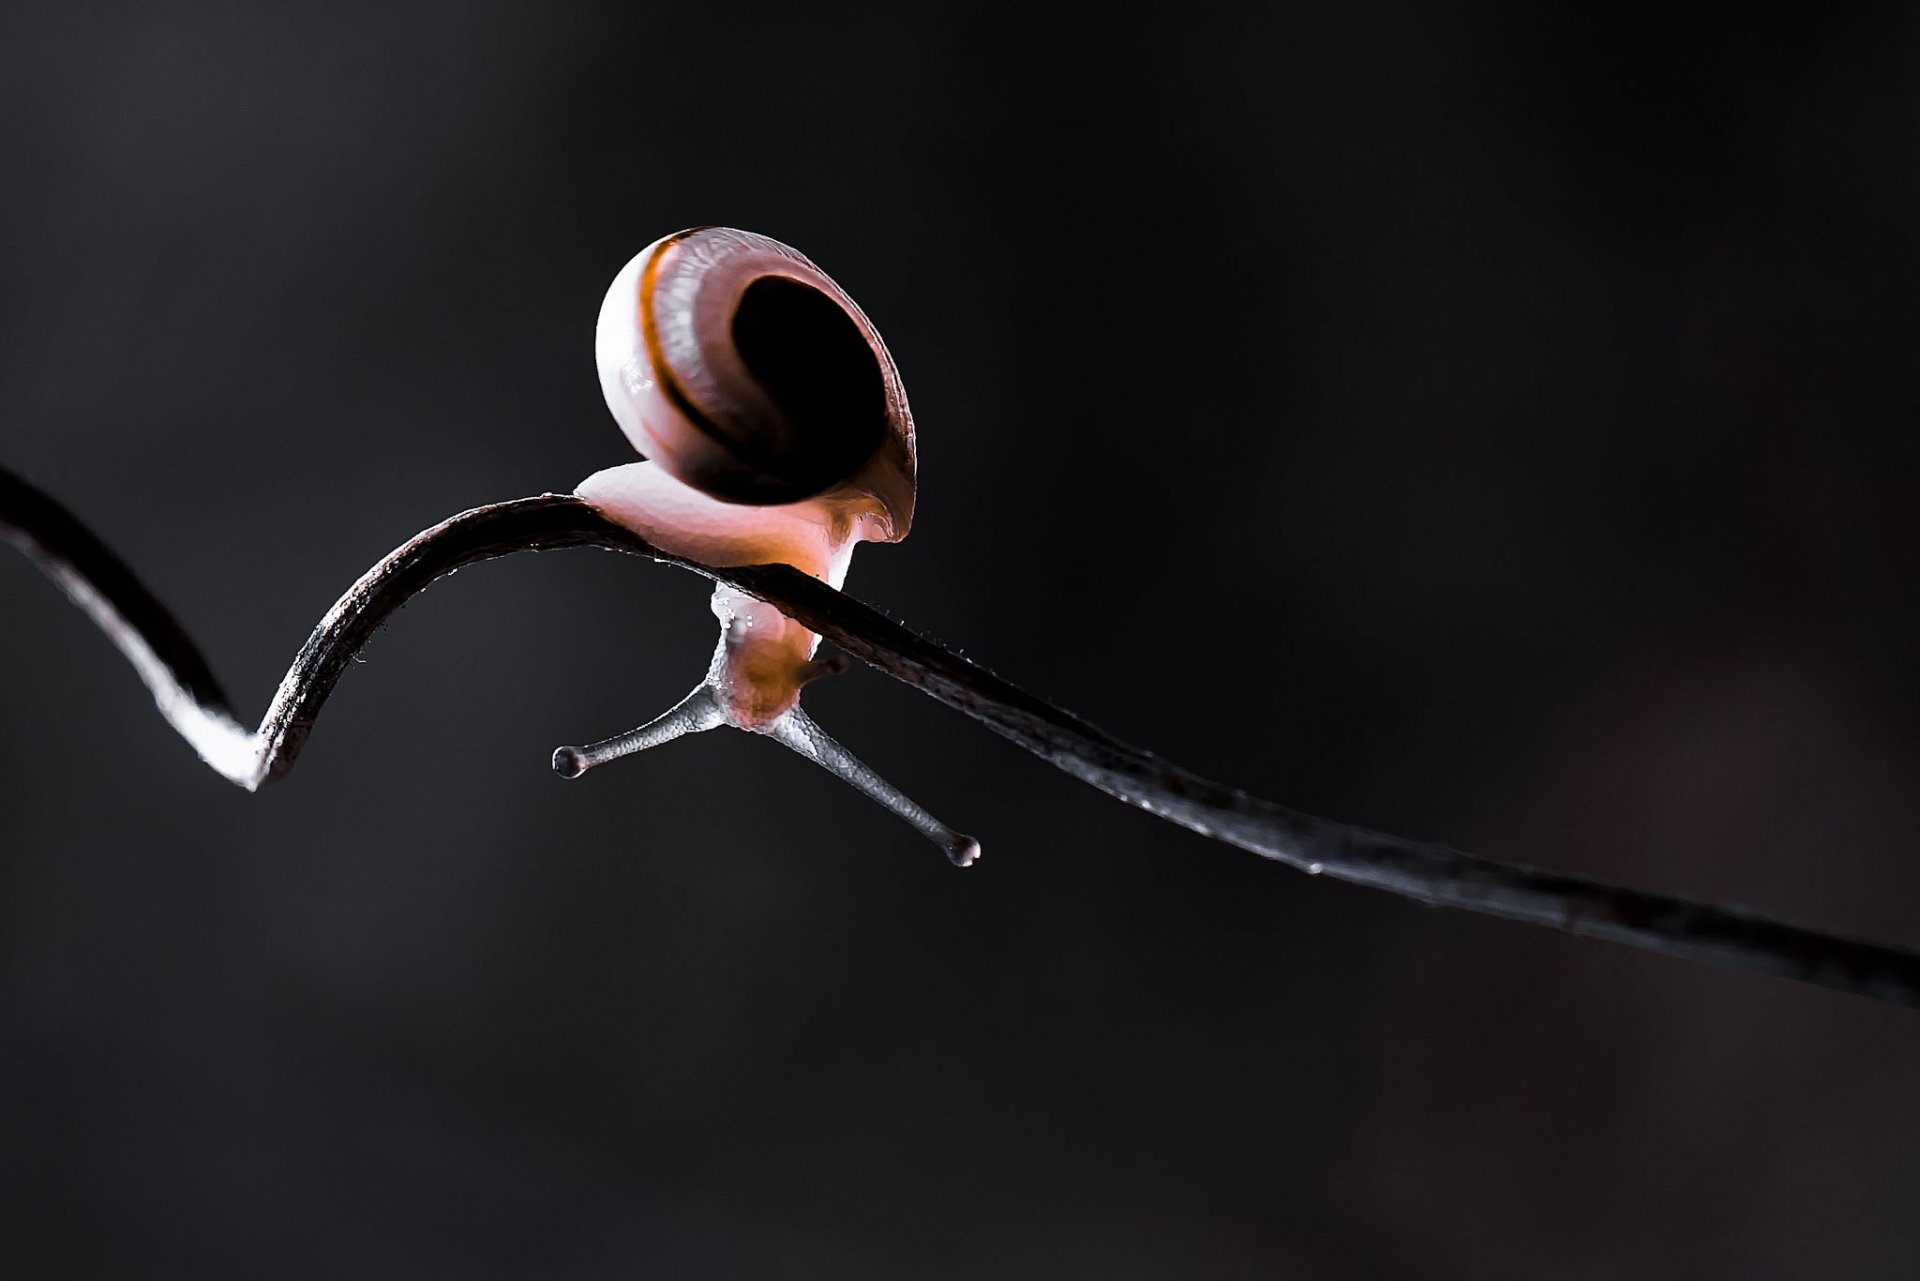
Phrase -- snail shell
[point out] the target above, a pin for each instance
(745, 372)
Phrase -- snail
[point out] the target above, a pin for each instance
(774, 429)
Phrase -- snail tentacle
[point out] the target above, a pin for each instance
(694, 714)
(798, 731)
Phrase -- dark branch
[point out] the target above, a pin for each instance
(167, 659)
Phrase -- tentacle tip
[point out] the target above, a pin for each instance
(816, 669)
(963, 851)
(569, 762)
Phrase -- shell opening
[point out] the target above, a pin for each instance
(820, 373)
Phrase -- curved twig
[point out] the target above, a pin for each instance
(192, 701)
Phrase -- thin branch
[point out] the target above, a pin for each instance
(187, 694)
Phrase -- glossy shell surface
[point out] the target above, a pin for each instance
(744, 371)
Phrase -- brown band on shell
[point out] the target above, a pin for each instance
(650, 335)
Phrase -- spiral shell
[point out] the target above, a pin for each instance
(744, 371)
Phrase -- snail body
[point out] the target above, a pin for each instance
(775, 429)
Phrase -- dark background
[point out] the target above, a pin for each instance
(1498, 430)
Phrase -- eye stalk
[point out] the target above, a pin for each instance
(776, 430)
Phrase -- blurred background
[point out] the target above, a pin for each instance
(1492, 429)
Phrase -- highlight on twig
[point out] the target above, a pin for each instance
(170, 664)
